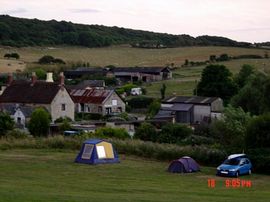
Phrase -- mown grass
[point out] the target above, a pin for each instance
(51, 175)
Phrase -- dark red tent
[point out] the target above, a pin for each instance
(184, 165)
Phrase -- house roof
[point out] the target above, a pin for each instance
(177, 107)
(95, 96)
(12, 108)
(140, 69)
(88, 83)
(164, 114)
(190, 100)
(21, 91)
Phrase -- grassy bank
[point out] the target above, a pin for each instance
(51, 175)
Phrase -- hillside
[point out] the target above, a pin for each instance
(21, 32)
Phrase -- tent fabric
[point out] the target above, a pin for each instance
(96, 151)
(184, 165)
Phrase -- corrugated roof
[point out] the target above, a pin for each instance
(22, 91)
(177, 107)
(190, 99)
(95, 96)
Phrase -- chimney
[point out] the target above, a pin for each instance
(62, 79)
(49, 77)
(9, 79)
(34, 78)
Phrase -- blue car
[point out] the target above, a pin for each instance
(235, 165)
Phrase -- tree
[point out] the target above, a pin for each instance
(254, 96)
(212, 58)
(39, 122)
(41, 73)
(6, 123)
(153, 108)
(244, 74)
(163, 91)
(232, 128)
(258, 132)
(174, 133)
(216, 81)
(146, 132)
(47, 59)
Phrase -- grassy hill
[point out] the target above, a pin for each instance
(50, 175)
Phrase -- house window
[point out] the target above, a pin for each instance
(63, 107)
(119, 109)
(82, 107)
(114, 102)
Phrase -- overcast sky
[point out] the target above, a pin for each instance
(241, 20)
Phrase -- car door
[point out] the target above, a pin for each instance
(243, 166)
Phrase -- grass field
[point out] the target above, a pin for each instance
(50, 175)
(127, 56)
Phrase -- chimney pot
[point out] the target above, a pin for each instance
(62, 79)
(49, 77)
(34, 78)
(9, 79)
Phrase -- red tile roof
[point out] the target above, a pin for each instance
(95, 96)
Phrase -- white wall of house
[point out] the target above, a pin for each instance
(19, 117)
(114, 104)
(217, 105)
(62, 105)
(201, 111)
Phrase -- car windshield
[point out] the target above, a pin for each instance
(232, 161)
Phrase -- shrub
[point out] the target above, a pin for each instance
(6, 123)
(140, 102)
(173, 133)
(146, 132)
(107, 132)
(16, 133)
(39, 122)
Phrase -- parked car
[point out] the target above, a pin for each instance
(235, 165)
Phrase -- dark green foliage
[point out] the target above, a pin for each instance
(258, 132)
(140, 102)
(126, 88)
(254, 96)
(163, 91)
(174, 133)
(153, 108)
(6, 123)
(231, 130)
(41, 73)
(106, 132)
(26, 32)
(12, 55)
(87, 116)
(61, 120)
(242, 77)
(146, 132)
(212, 58)
(223, 57)
(39, 122)
(216, 81)
(260, 159)
(248, 57)
(47, 59)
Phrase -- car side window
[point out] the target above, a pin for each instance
(247, 161)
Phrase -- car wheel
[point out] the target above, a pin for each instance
(237, 174)
(249, 171)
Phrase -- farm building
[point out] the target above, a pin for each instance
(190, 110)
(51, 95)
(96, 101)
(124, 74)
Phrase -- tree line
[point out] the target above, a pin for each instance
(33, 32)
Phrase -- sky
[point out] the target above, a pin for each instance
(240, 20)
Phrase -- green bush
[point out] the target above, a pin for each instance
(174, 133)
(16, 133)
(107, 132)
(146, 132)
(140, 102)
